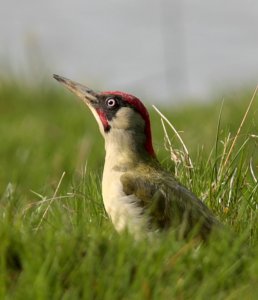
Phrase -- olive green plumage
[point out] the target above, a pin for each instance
(167, 202)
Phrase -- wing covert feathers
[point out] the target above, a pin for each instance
(169, 204)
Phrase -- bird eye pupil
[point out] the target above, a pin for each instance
(111, 102)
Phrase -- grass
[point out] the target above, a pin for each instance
(56, 240)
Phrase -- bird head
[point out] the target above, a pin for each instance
(115, 111)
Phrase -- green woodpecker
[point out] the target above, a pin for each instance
(138, 194)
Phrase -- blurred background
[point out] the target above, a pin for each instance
(167, 50)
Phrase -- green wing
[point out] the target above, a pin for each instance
(168, 203)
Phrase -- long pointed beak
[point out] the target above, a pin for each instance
(83, 92)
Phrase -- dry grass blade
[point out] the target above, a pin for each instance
(239, 128)
(252, 171)
(188, 159)
(50, 202)
(46, 200)
(169, 146)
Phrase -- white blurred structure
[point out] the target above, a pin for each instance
(156, 49)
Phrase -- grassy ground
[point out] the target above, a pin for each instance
(55, 238)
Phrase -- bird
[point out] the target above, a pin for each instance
(139, 195)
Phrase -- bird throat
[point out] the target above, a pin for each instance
(126, 150)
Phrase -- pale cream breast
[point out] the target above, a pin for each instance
(123, 210)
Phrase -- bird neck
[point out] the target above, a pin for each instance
(126, 148)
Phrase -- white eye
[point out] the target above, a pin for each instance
(111, 102)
